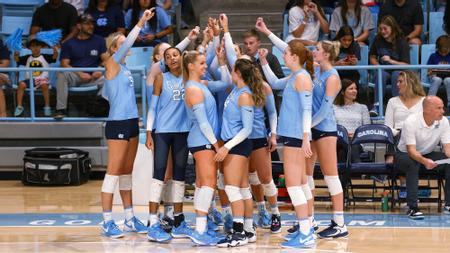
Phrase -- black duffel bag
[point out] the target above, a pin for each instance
(55, 166)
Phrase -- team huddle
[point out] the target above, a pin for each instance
(213, 102)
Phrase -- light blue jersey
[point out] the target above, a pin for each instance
(290, 121)
(328, 124)
(171, 111)
(232, 118)
(196, 138)
(259, 125)
(121, 97)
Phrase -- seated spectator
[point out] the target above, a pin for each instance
(108, 17)
(349, 54)
(4, 79)
(165, 4)
(63, 16)
(155, 30)
(306, 19)
(350, 113)
(439, 76)
(388, 48)
(352, 13)
(86, 50)
(40, 78)
(421, 134)
(409, 16)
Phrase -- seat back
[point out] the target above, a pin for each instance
(140, 56)
(364, 61)
(414, 54)
(427, 50)
(436, 26)
(373, 133)
(18, 22)
(285, 25)
(342, 135)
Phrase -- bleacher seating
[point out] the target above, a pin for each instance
(427, 50)
(436, 26)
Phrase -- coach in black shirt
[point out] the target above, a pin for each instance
(409, 16)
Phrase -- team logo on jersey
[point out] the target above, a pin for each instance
(102, 22)
(120, 136)
(94, 52)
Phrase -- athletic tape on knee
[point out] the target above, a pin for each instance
(253, 178)
(270, 189)
(220, 181)
(125, 182)
(233, 193)
(334, 185)
(307, 192)
(109, 183)
(246, 193)
(167, 196)
(311, 184)
(156, 187)
(178, 191)
(203, 200)
(297, 196)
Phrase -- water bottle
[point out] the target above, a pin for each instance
(281, 181)
(385, 201)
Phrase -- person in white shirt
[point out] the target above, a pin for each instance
(421, 134)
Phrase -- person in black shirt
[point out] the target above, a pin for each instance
(349, 54)
(409, 16)
(4, 62)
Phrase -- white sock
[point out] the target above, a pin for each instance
(261, 206)
(168, 211)
(248, 224)
(107, 216)
(274, 209)
(226, 210)
(200, 224)
(305, 226)
(153, 218)
(238, 219)
(338, 217)
(129, 213)
(311, 219)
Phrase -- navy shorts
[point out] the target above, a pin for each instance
(259, 143)
(122, 129)
(291, 142)
(317, 134)
(244, 148)
(201, 148)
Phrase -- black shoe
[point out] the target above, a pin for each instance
(234, 239)
(293, 229)
(275, 224)
(334, 231)
(415, 214)
(167, 224)
(60, 114)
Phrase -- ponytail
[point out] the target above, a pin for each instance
(332, 48)
(253, 78)
(309, 63)
(186, 58)
(304, 55)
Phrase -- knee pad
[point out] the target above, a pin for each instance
(156, 187)
(203, 199)
(220, 181)
(125, 182)
(270, 189)
(253, 178)
(297, 196)
(167, 193)
(233, 193)
(109, 183)
(311, 184)
(246, 193)
(307, 192)
(178, 191)
(334, 185)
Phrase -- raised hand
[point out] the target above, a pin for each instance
(261, 26)
(262, 53)
(193, 34)
(148, 14)
(224, 22)
(221, 57)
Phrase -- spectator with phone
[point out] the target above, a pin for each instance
(349, 54)
(439, 76)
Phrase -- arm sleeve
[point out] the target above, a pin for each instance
(152, 112)
(216, 86)
(225, 75)
(272, 79)
(272, 113)
(306, 101)
(210, 54)
(149, 91)
(123, 49)
(183, 44)
(247, 114)
(229, 49)
(200, 114)
(279, 43)
(325, 108)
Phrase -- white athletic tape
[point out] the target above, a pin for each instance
(270, 189)
(297, 196)
(109, 183)
(203, 200)
(178, 191)
(253, 178)
(307, 192)
(311, 184)
(167, 196)
(246, 193)
(233, 193)
(125, 182)
(155, 187)
(334, 185)
(220, 181)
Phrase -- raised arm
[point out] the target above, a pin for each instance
(272, 79)
(193, 34)
(279, 43)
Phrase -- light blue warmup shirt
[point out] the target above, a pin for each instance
(320, 86)
(232, 118)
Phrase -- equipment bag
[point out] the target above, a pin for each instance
(55, 166)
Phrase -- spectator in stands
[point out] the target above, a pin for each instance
(388, 48)
(108, 17)
(353, 14)
(84, 50)
(55, 14)
(439, 76)
(350, 114)
(306, 19)
(409, 16)
(40, 78)
(155, 30)
(421, 133)
(78, 4)
(349, 54)
(4, 79)
(165, 4)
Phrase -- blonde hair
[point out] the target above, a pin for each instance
(111, 42)
(186, 58)
(332, 48)
(412, 83)
(252, 77)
